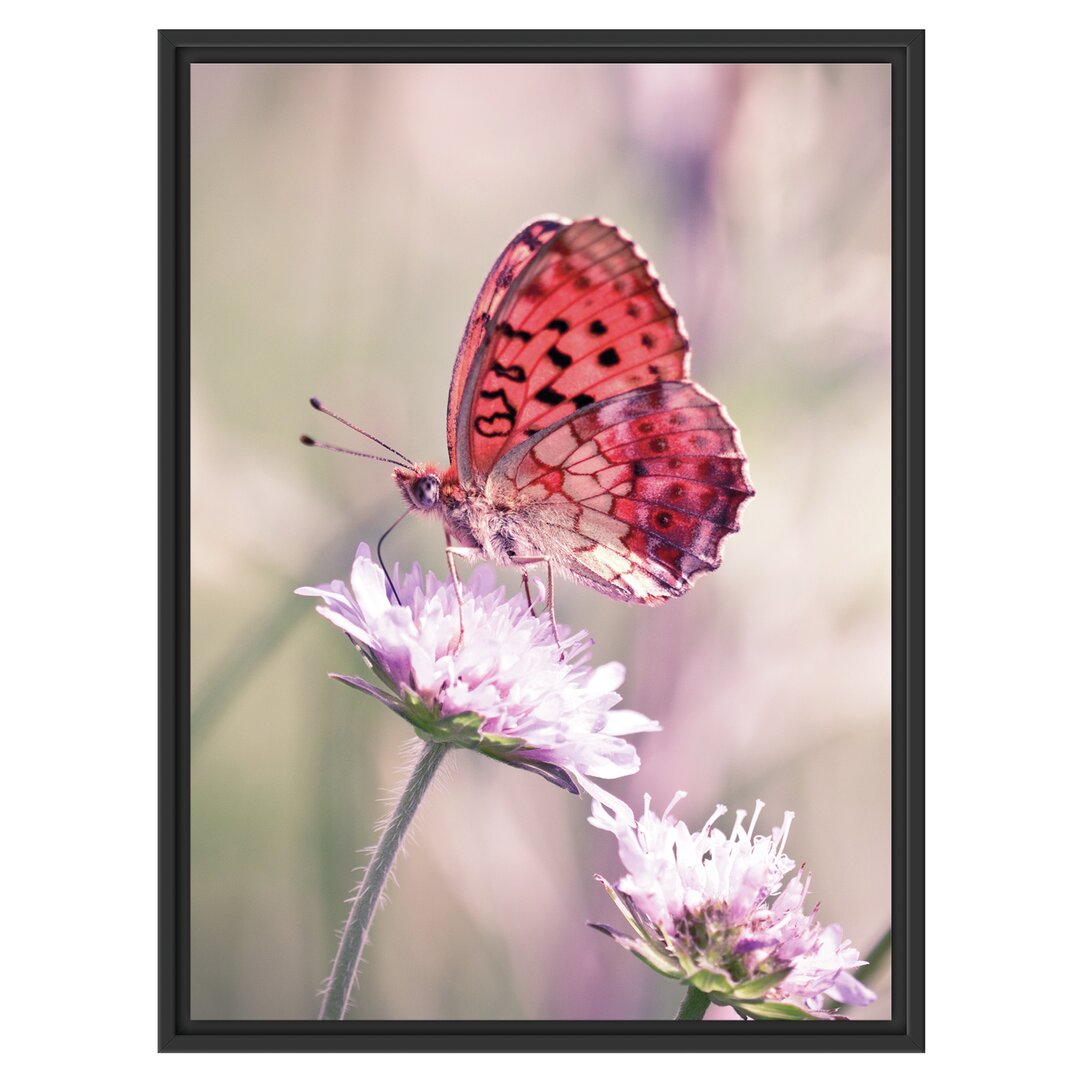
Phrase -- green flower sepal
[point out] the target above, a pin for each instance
(653, 945)
(459, 730)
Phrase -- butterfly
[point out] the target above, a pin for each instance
(575, 434)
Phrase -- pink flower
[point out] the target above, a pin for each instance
(712, 909)
(509, 691)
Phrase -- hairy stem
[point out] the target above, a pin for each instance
(694, 1005)
(354, 936)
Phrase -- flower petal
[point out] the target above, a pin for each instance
(487, 655)
(717, 903)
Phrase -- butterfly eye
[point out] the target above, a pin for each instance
(425, 492)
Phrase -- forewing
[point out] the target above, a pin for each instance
(509, 265)
(652, 482)
(585, 320)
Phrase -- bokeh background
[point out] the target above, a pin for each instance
(343, 219)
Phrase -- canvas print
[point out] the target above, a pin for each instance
(541, 542)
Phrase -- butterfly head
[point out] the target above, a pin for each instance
(421, 486)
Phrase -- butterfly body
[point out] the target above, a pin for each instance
(506, 533)
(576, 436)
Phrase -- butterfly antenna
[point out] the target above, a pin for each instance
(318, 406)
(378, 553)
(307, 440)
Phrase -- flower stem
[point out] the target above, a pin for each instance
(354, 936)
(694, 1005)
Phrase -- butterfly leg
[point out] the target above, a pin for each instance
(461, 552)
(524, 561)
(527, 590)
(551, 606)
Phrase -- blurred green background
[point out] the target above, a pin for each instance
(343, 219)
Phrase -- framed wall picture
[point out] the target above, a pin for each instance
(623, 743)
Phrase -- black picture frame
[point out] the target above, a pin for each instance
(904, 51)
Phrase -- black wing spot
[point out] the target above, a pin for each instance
(582, 281)
(654, 369)
(561, 325)
(597, 328)
(648, 340)
(559, 359)
(498, 423)
(633, 310)
(531, 431)
(640, 468)
(663, 519)
(513, 372)
(506, 276)
(582, 400)
(493, 426)
(608, 358)
(549, 396)
(510, 332)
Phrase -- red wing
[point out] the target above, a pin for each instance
(585, 320)
(516, 255)
(655, 480)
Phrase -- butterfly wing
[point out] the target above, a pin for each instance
(584, 319)
(575, 409)
(635, 495)
(515, 257)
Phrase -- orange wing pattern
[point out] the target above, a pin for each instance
(584, 320)
(515, 257)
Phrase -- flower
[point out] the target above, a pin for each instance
(506, 687)
(712, 910)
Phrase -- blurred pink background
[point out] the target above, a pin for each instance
(343, 219)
